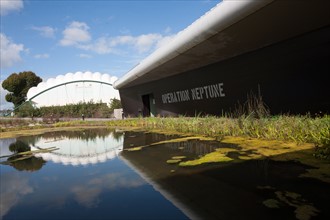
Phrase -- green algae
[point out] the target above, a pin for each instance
(266, 148)
(183, 139)
(320, 168)
(282, 151)
(134, 148)
(175, 140)
(271, 203)
(42, 130)
(256, 149)
(321, 173)
(178, 157)
(214, 157)
(244, 157)
(173, 161)
(304, 210)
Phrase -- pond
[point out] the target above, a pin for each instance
(108, 174)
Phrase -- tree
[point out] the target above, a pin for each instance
(18, 85)
(115, 104)
(27, 110)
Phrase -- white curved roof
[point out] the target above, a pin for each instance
(74, 93)
(76, 151)
(231, 28)
(79, 160)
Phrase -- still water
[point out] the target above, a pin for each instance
(92, 174)
(84, 179)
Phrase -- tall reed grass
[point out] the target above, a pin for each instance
(299, 129)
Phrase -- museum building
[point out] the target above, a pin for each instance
(271, 49)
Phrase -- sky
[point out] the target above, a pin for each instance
(52, 38)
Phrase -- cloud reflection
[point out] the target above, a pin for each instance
(13, 187)
(88, 195)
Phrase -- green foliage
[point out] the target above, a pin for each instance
(27, 110)
(322, 152)
(19, 146)
(89, 109)
(115, 104)
(18, 85)
(299, 129)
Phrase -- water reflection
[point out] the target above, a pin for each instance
(116, 183)
(73, 148)
(13, 187)
(20, 162)
(88, 194)
(80, 148)
(103, 188)
(259, 189)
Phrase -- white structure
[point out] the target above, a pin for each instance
(77, 152)
(73, 88)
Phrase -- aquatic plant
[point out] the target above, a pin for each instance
(214, 157)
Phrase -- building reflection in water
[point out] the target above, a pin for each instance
(98, 191)
(212, 191)
(79, 151)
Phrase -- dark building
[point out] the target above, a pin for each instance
(279, 50)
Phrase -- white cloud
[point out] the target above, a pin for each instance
(75, 33)
(13, 187)
(100, 46)
(9, 52)
(88, 194)
(164, 40)
(83, 55)
(45, 31)
(41, 56)
(144, 42)
(3, 103)
(121, 44)
(7, 6)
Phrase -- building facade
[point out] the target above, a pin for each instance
(276, 51)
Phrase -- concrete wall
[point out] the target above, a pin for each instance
(118, 113)
(291, 76)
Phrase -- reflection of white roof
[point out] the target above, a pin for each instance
(76, 151)
(72, 93)
(82, 160)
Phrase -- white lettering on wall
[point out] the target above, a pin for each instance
(198, 93)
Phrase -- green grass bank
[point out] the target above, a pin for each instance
(299, 129)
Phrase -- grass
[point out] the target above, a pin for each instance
(11, 128)
(298, 129)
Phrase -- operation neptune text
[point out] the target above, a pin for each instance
(198, 93)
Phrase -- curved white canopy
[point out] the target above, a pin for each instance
(76, 151)
(73, 88)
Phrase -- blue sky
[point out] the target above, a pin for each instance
(56, 37)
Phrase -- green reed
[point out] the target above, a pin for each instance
(299, 129)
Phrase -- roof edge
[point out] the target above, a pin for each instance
(214, 21)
